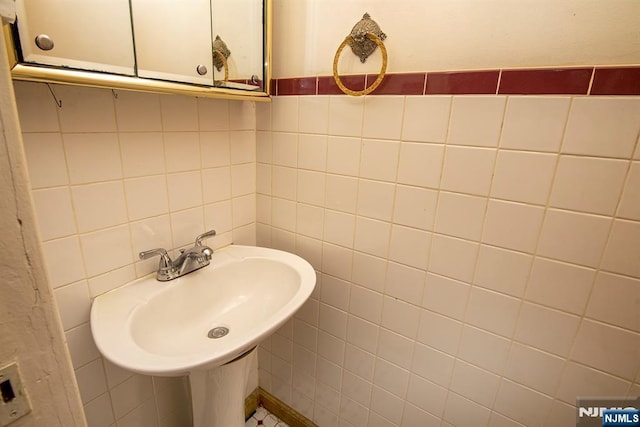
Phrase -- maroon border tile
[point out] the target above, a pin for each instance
(616, 81)
(297, 86)
(462, 82)
(328, 86)
(559, 81)
(398, 84)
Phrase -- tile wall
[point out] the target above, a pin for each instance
(114, 173)
(478, 257)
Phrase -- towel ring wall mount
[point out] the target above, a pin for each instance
(363, 40)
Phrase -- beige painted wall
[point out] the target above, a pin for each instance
(431, 35)
(30, 331)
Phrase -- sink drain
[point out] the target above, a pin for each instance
(218, 332)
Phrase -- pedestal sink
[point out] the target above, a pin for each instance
(205, 324)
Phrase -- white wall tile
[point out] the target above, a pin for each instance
(445, 296)
(533, 368)
(99, 412)
(502, 270)
(383, 117)
(312, 152)
(242, 146)
(592, 348)
(311, 187)
(474, 383)
(369, 271)
(343, 155)
(602, 126)
(63, 261)
(405, 283)
(622, 254)
(314, 114)
(113, 279)
(284, 114)
(534, 123)
(426, 118)
(185, 190)
(179, 113)
(415, 207)
(149, 234)
(54, 212)
(91, 380)
(81, 346)
(463, 412)
(468, 170)
(483, 349)
(310, 221)
(283, 214)
(45, 159)
(243, 179)
(414, 416)
(99, 205)
(400, 317)
(451, 257)
(74, 304)
(375, 199)
(213, 114)
(216, 184)
(366, 304)
(86, 109)
(339, 228)
(182, 151)
(588, 184)
(460, 215)
(379, 159)
(372, 236)
(341, 193)
(420, 164)
(614, 300)
(388, 405)
(335, 292)
(362, 334)
(580, 380)
(130, 394)
(92, 157)
(629, 206)
(142, 153)
(395, 348)
(346, 115)
(492, 311)
(426, 395)
(242, 115)
(522, 404)
(523, 176)
(512, 225)
(37, 111)
(560, 285)
(573, 237)
(391, 378)
(285, 149)
(432, 364)
(546, 329)
(476, 120)
(409, 246)
(215, 149)
(439, 332)
(137, 111)
(113, 241)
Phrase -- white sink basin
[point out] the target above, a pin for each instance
(161, 328)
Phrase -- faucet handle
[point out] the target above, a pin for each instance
(209, 233)
(165, 260)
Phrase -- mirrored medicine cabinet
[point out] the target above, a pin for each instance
(205, 48)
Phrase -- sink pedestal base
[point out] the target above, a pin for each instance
(218, 394)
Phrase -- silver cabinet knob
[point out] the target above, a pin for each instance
(44, 42)
(201, 69)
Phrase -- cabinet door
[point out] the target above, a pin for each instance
(84, 34)
(173, 40)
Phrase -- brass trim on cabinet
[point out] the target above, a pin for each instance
(47, 74)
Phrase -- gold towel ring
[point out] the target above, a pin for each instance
(383, 69)
(225, 65)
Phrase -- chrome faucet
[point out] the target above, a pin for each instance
(189, 260)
